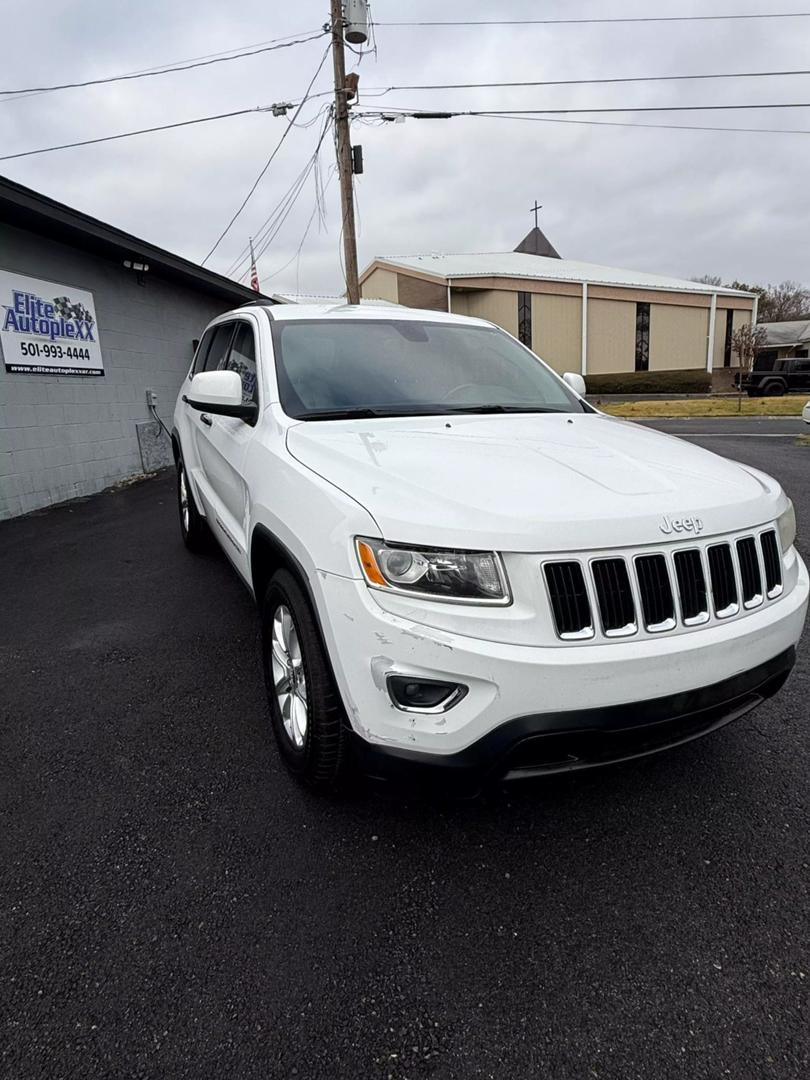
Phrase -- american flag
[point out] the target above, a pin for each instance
(254, 273)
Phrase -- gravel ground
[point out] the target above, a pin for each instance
(174, 906)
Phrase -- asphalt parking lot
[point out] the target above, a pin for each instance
(174, 906)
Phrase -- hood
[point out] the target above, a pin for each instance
(561, 482)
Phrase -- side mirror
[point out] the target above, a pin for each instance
(220, 392)
(576, 382)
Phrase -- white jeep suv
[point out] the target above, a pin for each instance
(462, 567)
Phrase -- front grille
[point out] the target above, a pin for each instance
(657, 601)
(658, 592)
(692, 587)
(750, 576)
(615, 596)
(569, 600)
(772, 563)
(724, 584)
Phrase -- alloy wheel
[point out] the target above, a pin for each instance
(184, 513)
(289, 679)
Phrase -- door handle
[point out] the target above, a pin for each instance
(206, 419)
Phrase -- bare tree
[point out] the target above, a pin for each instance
(785, 302)
(745, 343)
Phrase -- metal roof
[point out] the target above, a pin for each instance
(516, 264)
(325, 298)
(26, 209)
(787, 333)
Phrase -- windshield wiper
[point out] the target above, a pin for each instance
(363, 412)
(502, 409)
(341, 414)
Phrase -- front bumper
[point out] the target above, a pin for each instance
(520, 690)
(542, 744)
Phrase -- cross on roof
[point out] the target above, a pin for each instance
(536, 208)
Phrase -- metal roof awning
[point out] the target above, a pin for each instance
(23, 208)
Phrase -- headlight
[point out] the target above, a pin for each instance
(787, 527)
(464, 576)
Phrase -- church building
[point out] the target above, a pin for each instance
(577, 316)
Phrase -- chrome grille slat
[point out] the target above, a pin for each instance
(616, 596)
(692, 588)
(657, 600)
(772, 563)
(723, 581)
(750, 576)
(569, 600)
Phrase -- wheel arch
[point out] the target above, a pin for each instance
(269, 554)
(767, 385)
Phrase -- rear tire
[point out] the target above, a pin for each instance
(306, 713)
(192, 524)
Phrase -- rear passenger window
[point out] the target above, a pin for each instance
(218, 350)
(242, 360)
(202, 349)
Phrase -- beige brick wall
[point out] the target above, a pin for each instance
(611, 336)
(418, 293)
(557, 331)
(678, 337)
(380, 285)
(495, 305)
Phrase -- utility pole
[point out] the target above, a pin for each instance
(344, 155)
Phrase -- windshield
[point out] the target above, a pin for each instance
(338, 368)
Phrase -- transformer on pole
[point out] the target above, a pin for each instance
(355, 19)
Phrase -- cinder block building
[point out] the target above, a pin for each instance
(90, 319)
(577, 316)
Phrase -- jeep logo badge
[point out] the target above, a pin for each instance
(680, 525)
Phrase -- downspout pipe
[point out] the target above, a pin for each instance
(710, 343)
(584, 359)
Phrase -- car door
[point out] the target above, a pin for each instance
(800, 379)
(221, 443)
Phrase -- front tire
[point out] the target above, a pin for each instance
(192, 524)
(305, 710)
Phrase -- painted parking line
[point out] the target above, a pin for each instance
(739, 434)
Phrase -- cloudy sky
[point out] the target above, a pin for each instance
(675, 202)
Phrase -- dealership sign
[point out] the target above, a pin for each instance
(47, 329)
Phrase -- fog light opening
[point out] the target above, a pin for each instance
(424, 695)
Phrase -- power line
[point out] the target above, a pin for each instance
(655, 127)
(269, 222)
(129, 134)
(417, 114)
(586, 22)
(585, 82)
(149, 73)
(447, 114)
(269, 161)
(285, 206)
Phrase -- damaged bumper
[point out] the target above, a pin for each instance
(535, 709)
